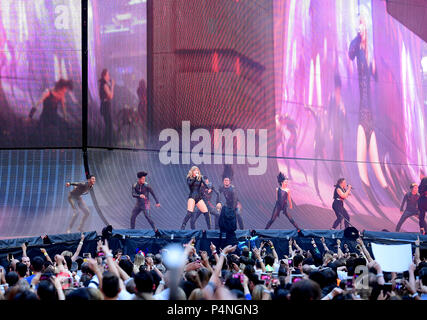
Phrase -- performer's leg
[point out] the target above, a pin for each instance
(344, 213)
(213, 212)
(190, 208)
(274, 216)
(86, 212)
(338, 214)
(239, 218)
(135, 212)
(72, 200)
(201, 205)
(402, 219)
(290, 219)
(208, 219)
(423, 227)
(194, 218)
(148, 217)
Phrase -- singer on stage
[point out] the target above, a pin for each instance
(141, 191)
(195, 180)
(341, 192)
(207, 198)
(75, 199)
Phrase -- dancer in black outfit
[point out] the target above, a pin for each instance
(283, 197)
(340, 194)
(49, 118)
(195, 180)
(411, 200)
(106, 94)
(422, 204)
(141, 191)
(231, 199)
(207, 197)
(75, 199)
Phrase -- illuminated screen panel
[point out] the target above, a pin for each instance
(40, 43)
(350, 88)
(118, 43)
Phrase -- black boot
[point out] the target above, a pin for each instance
(187, 217)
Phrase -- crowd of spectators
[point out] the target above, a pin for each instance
(230, 273)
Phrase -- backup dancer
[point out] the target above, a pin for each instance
(141, 191)
(75, 199)
(283, 197)
(411, 200)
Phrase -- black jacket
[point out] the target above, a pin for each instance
(138, 189)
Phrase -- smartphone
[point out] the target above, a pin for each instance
(296, 277)
(290, 262)
(349, 283)
(86, 255)
(9, 256)
(266, 278)
(238, 276)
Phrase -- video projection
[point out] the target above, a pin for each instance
(349, 81)
(117, 96)
(40, 73)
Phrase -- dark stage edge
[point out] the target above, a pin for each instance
(130, 241)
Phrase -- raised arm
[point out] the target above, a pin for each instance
(43, 250)
(417, 259)
(258, 257)
(291, 250)
(325, 247)
(112, 267)
(340, 253)
(79, 248)
(24, 250)
(364, 250)
(273, 251)
(214, 252)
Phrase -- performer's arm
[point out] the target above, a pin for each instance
(405, 198)
(134, 193)
(64, 109)
(344, 195)
(34, 109)
(207, 185)
(214, 190)
(154, 196)
(354, 47)
(289, 199)
(76, 184)
(190, 181)
(108, 92)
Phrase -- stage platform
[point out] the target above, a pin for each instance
(130, 241)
